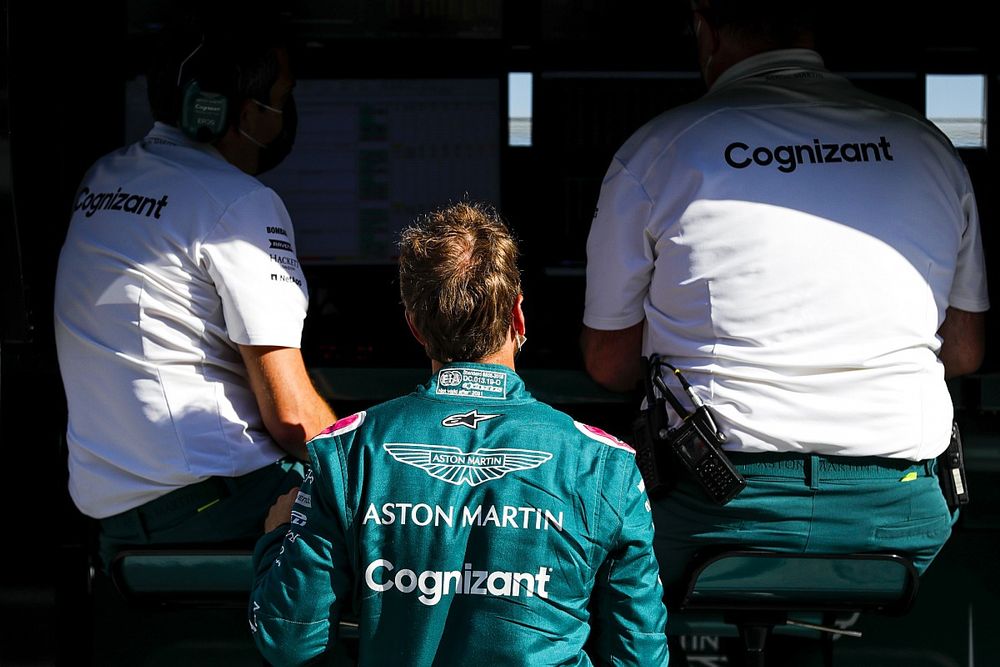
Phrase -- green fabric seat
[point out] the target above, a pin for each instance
(754, 593)
(181, 577)
(809, 582)
(178, 575)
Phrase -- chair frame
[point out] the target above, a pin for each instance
(755, 613)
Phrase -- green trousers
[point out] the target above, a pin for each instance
(805, 503)
(218, 510)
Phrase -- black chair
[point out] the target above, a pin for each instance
(184, 576)
(187, 605)
(756, 591)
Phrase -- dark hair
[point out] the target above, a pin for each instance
(459, 280)
(778, 23)
(235, 58)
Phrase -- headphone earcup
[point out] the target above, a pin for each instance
(204, 114)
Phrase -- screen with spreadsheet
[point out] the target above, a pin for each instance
(372, 154)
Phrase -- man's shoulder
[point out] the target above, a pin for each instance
(219, 179)
(651, 139)
(598, 437)
(379, 415)
(183, 168)
(585, 439)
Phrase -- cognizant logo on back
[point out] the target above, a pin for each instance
(381, 575)
(787, 158)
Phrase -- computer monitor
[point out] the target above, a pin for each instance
(372, 154)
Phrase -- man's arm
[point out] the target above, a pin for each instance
(963, 341)
(613, 358)
(620, 260)
(292, 409)
(630, 620)
(302, 572)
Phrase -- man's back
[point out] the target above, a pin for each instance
(476, 523)
(167, 249)
(807, 239)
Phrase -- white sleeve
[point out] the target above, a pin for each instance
(251, 257)
(619, 254)
(968, 289)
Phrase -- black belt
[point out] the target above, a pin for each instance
(826, 466)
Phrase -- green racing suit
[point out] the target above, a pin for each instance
(465, 523)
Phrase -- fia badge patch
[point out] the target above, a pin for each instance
(472, 383)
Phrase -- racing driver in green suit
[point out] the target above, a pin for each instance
(465, 523)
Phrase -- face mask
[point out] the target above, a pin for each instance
(272, 154)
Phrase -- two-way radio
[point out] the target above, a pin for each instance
(951, 471)
(696, 442)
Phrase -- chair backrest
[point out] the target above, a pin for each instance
(184, 576)
(752, 580)
(191, 577)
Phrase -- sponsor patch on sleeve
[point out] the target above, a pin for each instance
(600, 435)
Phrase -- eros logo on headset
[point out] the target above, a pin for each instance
(203, 113)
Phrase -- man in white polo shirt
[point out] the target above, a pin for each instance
(180, 303)
(809, 257)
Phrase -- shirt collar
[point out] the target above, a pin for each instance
(769, 61)
(161, 133)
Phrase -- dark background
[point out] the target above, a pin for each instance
(62, 81)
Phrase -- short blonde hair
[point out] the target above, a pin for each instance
(459, 281)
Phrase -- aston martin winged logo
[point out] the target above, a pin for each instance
(452, 465)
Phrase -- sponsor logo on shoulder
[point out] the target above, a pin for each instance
(278, 244)
(472, 383)
(287, 262)
(452, 465)
(282, 278)
(469, 419)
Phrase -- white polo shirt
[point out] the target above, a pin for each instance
(792, 243)
(173, 258)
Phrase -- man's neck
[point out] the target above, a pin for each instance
(238, 151)
(732, 52)
(503, 357)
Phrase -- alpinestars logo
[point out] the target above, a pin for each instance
(470, 419)
(452, 465)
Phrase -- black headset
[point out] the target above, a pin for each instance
(204, 112)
